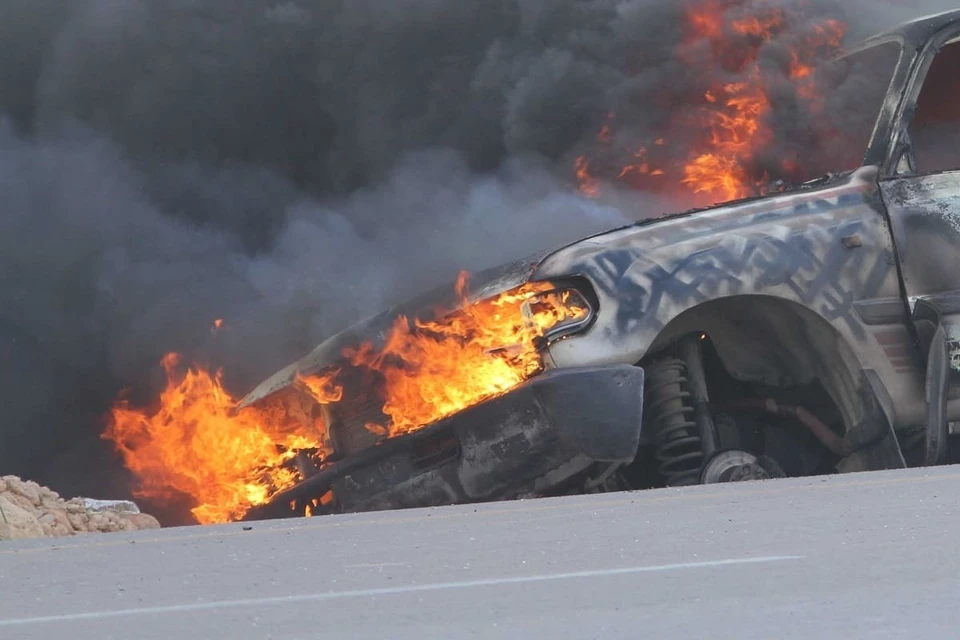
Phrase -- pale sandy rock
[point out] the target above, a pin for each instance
(79, 521)
(74, 506)
(96, 522)
(53, 527)
(55, 523)
(47, 521)
(17, 522)
(33, 510)
(20, 500)
(109, 523)
(143, 521)
(28, 490)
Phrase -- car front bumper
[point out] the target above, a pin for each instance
(521, 443)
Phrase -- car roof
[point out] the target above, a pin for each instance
(914, 32)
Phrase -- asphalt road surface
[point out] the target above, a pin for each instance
(868, 555)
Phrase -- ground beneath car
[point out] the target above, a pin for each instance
(817, 557)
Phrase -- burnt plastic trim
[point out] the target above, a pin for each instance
(504, 445)
(881, 311)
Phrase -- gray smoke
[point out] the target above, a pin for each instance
(289, 167)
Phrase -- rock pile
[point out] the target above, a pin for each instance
(28, 510)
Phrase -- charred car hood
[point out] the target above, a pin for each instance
(483, 284)
(544, 265)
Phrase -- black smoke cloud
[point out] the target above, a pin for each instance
(100, 279)
(287, 166)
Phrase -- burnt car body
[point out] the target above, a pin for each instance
(814, 330)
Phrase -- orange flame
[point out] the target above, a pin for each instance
(229, 461)
(323, 389)
(763, 26)
(435, 369)
(588, 184)
(733, 117)
(734, 134)
(706, 20)
(605, 135)
(194, 443)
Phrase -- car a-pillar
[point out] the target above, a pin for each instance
(754, 387)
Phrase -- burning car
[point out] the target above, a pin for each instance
(812, 329)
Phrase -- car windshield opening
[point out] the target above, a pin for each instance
(855, 88)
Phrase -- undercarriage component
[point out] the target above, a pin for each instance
(669, 409)
(734, 465)
(691, 353)
(823, 433)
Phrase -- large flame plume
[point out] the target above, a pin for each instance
(731, 116)
(195, 442)
(435, 369)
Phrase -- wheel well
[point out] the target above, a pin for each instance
(774, 343)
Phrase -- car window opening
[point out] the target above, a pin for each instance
(935, 129)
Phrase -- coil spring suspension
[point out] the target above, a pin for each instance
(679, 449)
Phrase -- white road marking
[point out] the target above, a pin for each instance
(384, 591)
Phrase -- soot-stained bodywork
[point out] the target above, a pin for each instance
(544, 431)
(810, 331)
